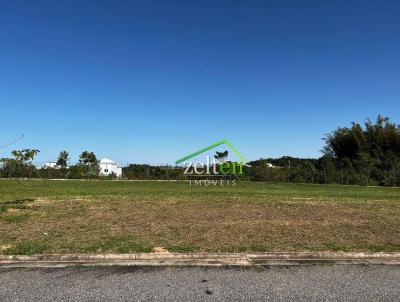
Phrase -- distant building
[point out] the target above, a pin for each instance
(50, 164)
(269, 165)
(107, 167)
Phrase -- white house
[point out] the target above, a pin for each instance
(107, 166)
(50, 164)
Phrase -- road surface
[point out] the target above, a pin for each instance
(293, 283)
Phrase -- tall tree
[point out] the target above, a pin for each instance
(220, 156)
(63, 158)
(20, 165)
(373, 150)
(88, 158)
(24, 155)
(90, 161)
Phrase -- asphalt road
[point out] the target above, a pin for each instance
(297, 283)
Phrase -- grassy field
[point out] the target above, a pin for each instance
(42, 216)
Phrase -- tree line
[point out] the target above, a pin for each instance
(20, 165)
(364, 154)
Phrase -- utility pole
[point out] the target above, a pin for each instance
(288, 176)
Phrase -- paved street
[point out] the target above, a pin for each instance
(300, 283)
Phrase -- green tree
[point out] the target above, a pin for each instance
(221, 156)
(20, 165)
(345, 142)
(24, 155)
(90, 162)
(370, 152)
(87, 157)
(63, 158)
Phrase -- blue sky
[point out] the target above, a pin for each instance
(150, 81)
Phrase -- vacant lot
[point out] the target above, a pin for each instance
(42, 216)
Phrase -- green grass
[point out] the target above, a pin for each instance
(44, 216)
(20, 190)
(14, 218)
(119, 244)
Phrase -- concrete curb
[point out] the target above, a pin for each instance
(199, 259)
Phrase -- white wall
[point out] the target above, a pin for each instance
(107, 169)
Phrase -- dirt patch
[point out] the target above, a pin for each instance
(15, 211)
(4, 247)
(37, 202)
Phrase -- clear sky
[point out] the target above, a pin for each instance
(150, 81)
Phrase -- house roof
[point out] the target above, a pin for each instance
(107, 161)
